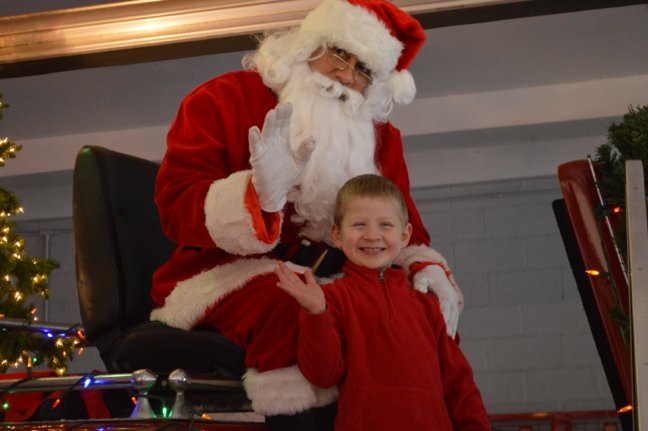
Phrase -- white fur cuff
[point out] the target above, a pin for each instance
(419, 253)
(284, 391)
(228, 220)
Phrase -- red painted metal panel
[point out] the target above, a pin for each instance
(597, 249)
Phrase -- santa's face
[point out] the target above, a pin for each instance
(341, 66)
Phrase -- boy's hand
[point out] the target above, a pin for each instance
(309, 295)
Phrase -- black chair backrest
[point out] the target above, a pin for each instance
(118, 238)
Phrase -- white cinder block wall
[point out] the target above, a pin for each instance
(524, 329)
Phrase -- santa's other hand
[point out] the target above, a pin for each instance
(432, 278)
(275, 167)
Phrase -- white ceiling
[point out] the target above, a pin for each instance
(510, 84)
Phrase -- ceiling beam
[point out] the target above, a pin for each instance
(150, 30)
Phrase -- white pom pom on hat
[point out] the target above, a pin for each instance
(383, 36)
(403, 88)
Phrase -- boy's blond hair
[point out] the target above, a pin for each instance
(369, 185)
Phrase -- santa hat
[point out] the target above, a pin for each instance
(384, 37)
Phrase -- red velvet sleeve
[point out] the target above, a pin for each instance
(391, 163)
(207, 142)
(321, 350)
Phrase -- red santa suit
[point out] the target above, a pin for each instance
(222, 271)
(386, 346)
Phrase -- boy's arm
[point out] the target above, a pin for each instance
(462, 397)
(320, 354)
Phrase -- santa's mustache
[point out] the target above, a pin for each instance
(327, 87)
(331, 89)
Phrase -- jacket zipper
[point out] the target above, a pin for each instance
(383, 288)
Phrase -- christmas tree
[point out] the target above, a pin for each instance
(21, 278)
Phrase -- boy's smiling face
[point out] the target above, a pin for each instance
(372, 232)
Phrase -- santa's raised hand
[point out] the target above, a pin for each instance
(276, 168)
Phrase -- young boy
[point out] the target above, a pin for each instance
(383, 343)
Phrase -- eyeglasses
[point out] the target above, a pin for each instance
(361, 74)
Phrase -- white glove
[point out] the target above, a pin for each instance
(432, 278)
(275, 167)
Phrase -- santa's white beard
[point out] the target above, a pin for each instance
(341, 121)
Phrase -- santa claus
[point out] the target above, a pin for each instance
(253, 164)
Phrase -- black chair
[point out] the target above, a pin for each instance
(119, 244)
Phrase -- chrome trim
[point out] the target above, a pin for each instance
(75, 382)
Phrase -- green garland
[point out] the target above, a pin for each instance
(627, 140)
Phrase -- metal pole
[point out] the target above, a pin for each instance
(637, 233)
(51, 384)
(50, 329)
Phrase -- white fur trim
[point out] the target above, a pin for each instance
(227, 219)
(191, 298)
(419, 253)
(357, 30)
(284, 391)
(402, 86)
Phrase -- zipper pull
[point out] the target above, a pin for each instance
(381, 276)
